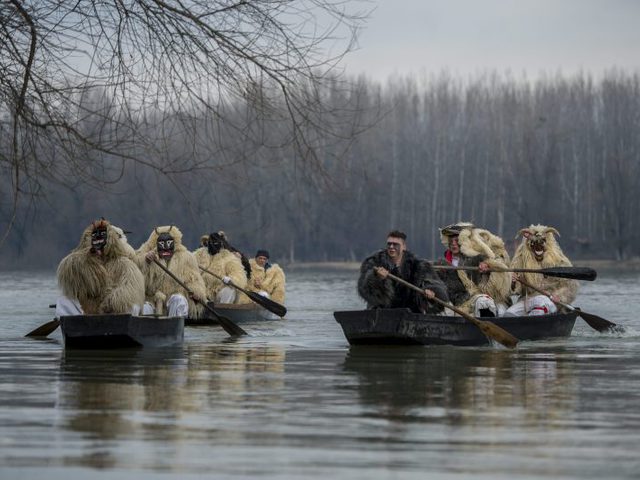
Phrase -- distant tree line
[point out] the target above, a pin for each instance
(418, 153)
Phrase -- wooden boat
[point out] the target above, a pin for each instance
(401, 326)
(121, 331)
(237, 313)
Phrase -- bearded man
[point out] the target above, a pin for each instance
(99, 276)
(219, 259)
(379, 291)
(162, 291)
(482, 293)
(266, 278)
(539, 249)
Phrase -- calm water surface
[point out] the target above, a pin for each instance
(293, 400)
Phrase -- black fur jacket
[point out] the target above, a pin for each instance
(457, 291)
(386, 293)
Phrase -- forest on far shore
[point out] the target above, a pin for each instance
(500, 152)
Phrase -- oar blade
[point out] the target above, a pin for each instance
(267, 303)
(599, 323)
(574, 273)
(498, 334)
(230, 327)
(44, 330)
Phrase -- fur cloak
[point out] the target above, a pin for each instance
(224, 263)
(272, 280)
(386, 293)
(477, 245)
(159, 285)
(562, 289)
(111, 283)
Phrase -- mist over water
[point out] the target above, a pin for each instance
(293, 400)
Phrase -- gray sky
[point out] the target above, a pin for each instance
(470, 36)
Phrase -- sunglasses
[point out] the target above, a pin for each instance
(395, 245)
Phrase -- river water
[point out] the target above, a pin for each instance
(293, 400)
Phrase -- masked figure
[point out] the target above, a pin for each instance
(99, 276)
(163, 293)
(539, 249)
(219, 258)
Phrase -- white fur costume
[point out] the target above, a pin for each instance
(551, 255)
(106, 283)
(161, 289)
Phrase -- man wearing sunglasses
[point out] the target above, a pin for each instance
(379, 291)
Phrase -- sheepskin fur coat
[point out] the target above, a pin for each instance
(272, 280)
(159, 285)
(109, 283)
(225, 263)
(477, 245)
(562, 289)
(386, 293)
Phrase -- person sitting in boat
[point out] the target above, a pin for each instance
(218, 259)
(480, 292)
(99, 276)
(163, 293)
(267, 278)
(379, 291)
(539, 249)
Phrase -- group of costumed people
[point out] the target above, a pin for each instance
(105, 274)
(473, 275)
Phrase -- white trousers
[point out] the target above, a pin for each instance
(533, 305)
(71, 306)
(482, 302)
(226, 295)
(177, 306)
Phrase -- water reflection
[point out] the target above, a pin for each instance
(463, 386)
(168, 397)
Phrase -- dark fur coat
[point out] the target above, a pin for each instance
(386, 293)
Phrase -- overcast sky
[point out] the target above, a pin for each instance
(470, 36)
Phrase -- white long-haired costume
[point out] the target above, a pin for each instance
(159, 286)
(110, 283)
(562, 289)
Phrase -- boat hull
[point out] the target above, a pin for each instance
(403, 327)
(121, 331)
(237, 313)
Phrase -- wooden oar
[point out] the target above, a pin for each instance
(45, 329)
(226, 323)
(491, 330)
(574, 273)
(267, 303)
(594, 321)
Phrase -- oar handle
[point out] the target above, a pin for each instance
(221, 279)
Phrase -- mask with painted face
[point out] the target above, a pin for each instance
(98, 239)
(166, 246)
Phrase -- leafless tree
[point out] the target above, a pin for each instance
(89, 86)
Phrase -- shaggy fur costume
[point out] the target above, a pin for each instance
(110, 283)
(477, 245)
(271, 281)
(386, 293)
(224, 264)
(159, 285)
(562, 289)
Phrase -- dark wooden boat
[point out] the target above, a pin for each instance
(237, 313)
(121, 331)
(401, 326)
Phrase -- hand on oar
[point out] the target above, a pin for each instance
(491, 330)
(574, 273)
(594, 321)
(226, 323)
(267, 303)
